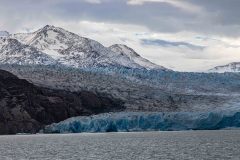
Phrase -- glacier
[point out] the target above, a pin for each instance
(148, 121)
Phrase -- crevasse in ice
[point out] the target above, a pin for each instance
(147, 121)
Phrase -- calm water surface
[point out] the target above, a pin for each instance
(223, 144)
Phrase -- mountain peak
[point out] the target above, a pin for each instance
(47, 27)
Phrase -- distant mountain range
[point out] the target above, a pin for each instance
(52, 45)
(231, 67)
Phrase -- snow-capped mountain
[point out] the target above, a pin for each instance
(232, 67)
(73, 50)
(14, 52)
(4, 34)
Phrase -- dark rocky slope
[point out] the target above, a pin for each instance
(26, 108)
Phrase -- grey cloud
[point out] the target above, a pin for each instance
(157, 16)
(218, 17)
(164, 43)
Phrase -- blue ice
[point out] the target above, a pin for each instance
(147, 121)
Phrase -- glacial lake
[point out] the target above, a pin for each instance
(198, 145)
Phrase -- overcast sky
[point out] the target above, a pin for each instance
(184, 35)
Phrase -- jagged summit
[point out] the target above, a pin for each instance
(57, 30)
(72, 50)
(49, 27)
(231, 67)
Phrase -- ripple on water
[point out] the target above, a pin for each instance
(223, 144)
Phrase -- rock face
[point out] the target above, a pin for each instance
(26, 108)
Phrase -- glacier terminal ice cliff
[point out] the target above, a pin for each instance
(148, 121)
